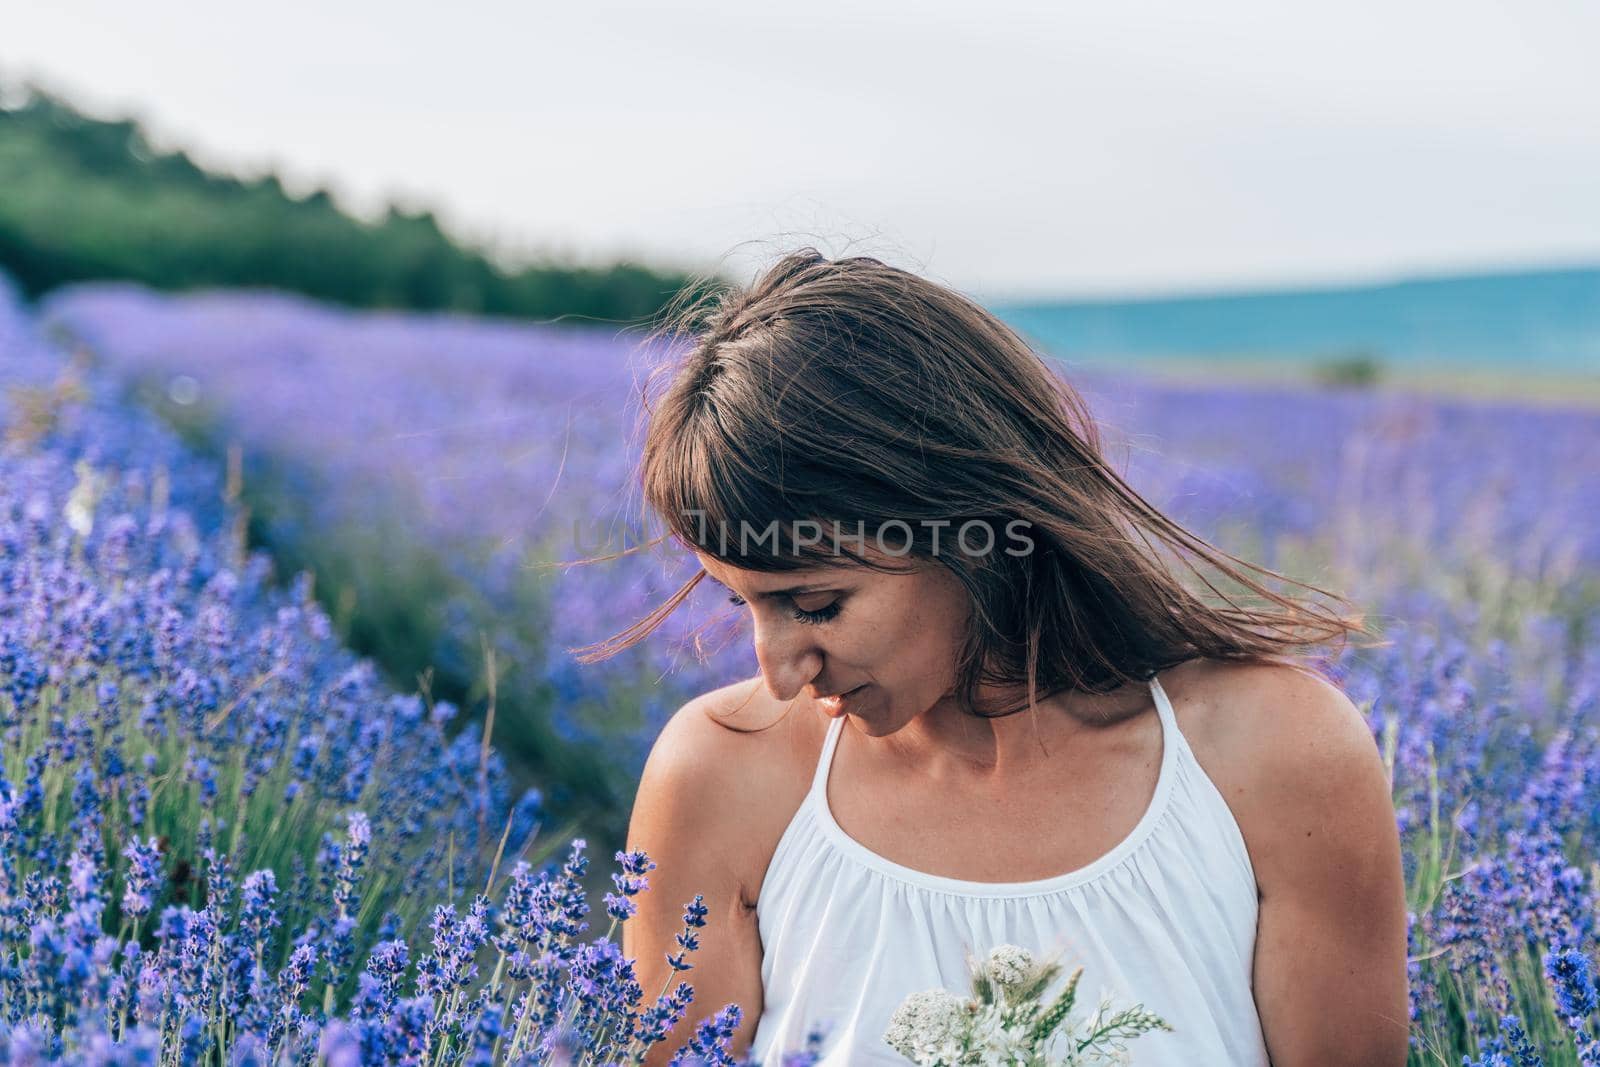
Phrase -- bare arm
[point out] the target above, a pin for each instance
(1330, 957)
(684, 818)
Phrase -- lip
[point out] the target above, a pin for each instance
(835, 706)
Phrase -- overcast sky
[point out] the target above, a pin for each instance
(1004, 148)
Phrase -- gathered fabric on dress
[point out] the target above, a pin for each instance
(1167, 918)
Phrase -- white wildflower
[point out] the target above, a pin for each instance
(1008, 965)
(927, 1026)
(936, 1028)
(993, 1043)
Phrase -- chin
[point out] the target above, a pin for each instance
(872, 727)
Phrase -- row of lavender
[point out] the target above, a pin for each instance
(438, 466)
(1464, 531)
(222, 840)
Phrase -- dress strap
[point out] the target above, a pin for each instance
(1163, 707)
(1171, 735)
(825, 760)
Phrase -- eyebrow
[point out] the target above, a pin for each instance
(777, 594)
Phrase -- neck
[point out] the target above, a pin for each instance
(950, 743)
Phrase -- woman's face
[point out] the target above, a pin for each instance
(831, 629)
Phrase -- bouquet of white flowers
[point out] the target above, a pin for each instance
(1006, 1024)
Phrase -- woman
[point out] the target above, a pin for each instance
(1046, 739)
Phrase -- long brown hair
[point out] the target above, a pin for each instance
(848, 391)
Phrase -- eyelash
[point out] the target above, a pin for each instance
(811, 618)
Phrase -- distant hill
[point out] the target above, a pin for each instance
(1541, 321)
(87, 198)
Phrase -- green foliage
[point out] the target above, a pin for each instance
(87, 198)
(1361, 369)
(1057, 1012)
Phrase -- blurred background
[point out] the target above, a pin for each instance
(390, 267)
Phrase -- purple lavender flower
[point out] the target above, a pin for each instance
(710, 1037)
(694, 917)
(630, 881)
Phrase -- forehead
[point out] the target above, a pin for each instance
(821, 575)
(738, 577)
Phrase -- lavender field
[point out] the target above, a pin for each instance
(429, 464)
(222, 838)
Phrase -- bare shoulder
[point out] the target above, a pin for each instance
(1246, 712)
(1295, 760)
(732, 737)
(697, 814)
(731, 759)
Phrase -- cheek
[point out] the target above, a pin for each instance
(924, 640)
(942, 629)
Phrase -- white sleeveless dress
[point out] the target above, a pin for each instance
(1167, 918)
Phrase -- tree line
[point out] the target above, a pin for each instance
(85, 198)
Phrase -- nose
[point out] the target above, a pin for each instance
(788, 656)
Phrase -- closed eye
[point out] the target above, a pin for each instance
(812, 618)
